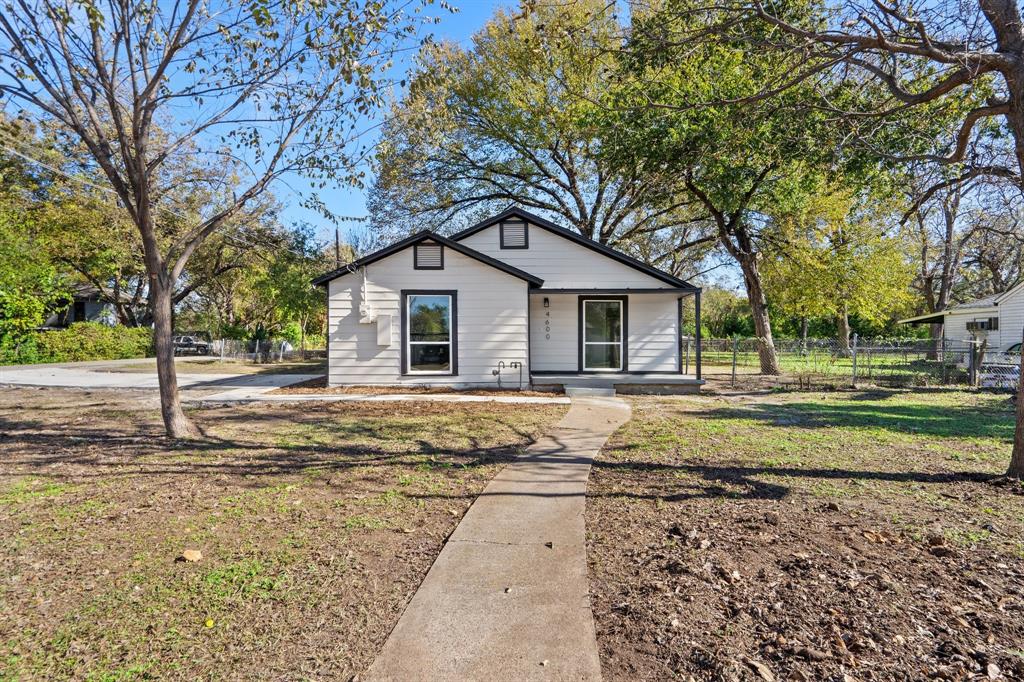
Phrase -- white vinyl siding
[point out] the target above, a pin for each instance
(653, 332)
(561, 263)
(492, 322)
(956, 327)
(1011, 316)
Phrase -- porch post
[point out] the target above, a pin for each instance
(696, 307)
(679, 336)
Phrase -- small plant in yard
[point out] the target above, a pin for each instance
(363, 521)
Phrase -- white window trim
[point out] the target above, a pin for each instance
(409, 342)
(621, 343)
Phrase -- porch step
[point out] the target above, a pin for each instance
(586, 391)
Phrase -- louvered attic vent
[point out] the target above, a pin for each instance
(428, 256)
(514, 235)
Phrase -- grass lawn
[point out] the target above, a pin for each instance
(911, 368)
(316, 523)
(808, 536)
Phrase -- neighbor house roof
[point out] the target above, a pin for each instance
(579, 239)
(985, 304)
(427, 235)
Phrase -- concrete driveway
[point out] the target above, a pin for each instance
(114, 374)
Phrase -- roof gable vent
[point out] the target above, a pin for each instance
(428, 256)
(514, 234)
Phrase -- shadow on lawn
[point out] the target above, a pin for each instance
(681, 482)
(945, 421)
(98, 452)
(740, 482)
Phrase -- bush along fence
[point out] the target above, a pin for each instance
(883, 362)
(80, 341)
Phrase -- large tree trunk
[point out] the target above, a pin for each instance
(1016, 469)
(759, 311)
(936, 337)
(175, 421)
(843, 331)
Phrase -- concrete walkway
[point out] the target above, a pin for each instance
(508, 597)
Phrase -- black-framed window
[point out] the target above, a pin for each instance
(428, 256)
(514, 234)
(430, 332)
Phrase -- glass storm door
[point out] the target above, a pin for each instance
(602, 336)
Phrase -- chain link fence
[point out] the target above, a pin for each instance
(883, 362)
(255, 350)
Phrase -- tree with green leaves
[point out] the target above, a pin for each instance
(741, 163)
(838, 255)
(261, 91)
(511, 120)
(30, 283)
(962, 58)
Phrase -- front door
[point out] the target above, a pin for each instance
(602, 343)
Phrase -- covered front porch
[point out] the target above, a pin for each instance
(638, 340)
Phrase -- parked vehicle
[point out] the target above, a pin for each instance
(191, 345)
(1002, 369)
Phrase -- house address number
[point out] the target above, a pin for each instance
(547, 324)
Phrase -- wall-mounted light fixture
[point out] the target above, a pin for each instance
(547, 302)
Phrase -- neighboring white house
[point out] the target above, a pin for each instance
(999, 318)
(513, 301)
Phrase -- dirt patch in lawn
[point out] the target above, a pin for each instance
(319, 386)
(809, 536)
(316, 523)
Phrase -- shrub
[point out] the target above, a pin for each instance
(81, 341)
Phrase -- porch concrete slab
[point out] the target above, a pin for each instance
(243, 395)
(581, 391)
(508, 597)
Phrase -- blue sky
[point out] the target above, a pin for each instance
(351, 202)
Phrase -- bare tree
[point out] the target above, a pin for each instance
(273, 88)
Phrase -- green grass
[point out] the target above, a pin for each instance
(913, 455)
(295, 512)
(912, 368)
(31, 490)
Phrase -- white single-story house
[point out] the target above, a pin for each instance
(511, 302)
(999, 318)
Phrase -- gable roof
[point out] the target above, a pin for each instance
(426, 235)
(576, 237)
